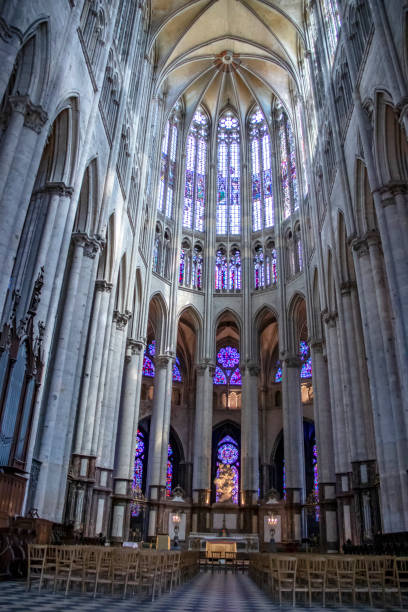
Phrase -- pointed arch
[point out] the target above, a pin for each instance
(391, 146)
(32, 63)
(158, 319)
(87, 212)
(297, 322)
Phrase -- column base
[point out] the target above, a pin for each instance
(328, 517)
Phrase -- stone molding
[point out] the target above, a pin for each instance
(330, 318)
(103, 285)
(251, 367)
(7, 32)
(162, 361)
(35, 116)
(57, 188)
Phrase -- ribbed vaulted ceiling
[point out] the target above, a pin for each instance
(226, 51)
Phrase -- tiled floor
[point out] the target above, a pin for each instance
(224, 592)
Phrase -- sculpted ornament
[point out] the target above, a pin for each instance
(224, 483)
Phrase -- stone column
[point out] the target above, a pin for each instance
(325, 450)
(128, 423)
(156, 486)
(389, 425)
(293, 445)
(59, 409)
(249, 435)
(202, 446)
(340, 431)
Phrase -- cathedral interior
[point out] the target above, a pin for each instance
(203, 269)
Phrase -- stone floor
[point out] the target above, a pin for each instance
(224, 592)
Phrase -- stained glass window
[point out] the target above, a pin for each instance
(306, 369)
(332, 23)
(221, 270)
(168, 167)
(182, 267)
(262, 195)
(259, 269)
(137, 483)
(228, 454)
(149, 367)
(288, 166)
(228, 176)
(226, 371)
(316, 481)
(197, 268)
(169, 474)
(196, 169)
(235, 270)
(278, 374)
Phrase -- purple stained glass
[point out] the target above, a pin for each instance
(235, 270)
(219, 377)
(148, 367)
(236, 377)
(278, 375)
(220, 271)
(228, 217)
(151, 348)
(176, 373)
(138, 469)
(169, 475)
(228, 454)
(316, 480)
(228, 357)
(304, 350)
(182, 264)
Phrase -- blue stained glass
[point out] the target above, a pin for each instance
(228, 357)
(236, 377)
(151, 348)
(196, 168)
(228, 218)
(262, 191)
(228, 454)
(138, 470)
(148, 367)
(219, 377)
(167, 169)
(169, 475)
(221, 271)
(306, 371)
(278, 375)
(176, 373)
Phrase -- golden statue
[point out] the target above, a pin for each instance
(224, 483)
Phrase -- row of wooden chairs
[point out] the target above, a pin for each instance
(224, 561)
(95, 569)
(341, 577)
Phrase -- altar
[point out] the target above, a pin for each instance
(235, 543)
(220, 548)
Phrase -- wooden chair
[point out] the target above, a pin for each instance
(316, 577)
(301, 582)
(346, 577)
(401, 566)
(149, 564)
(132, 574)
(103, 574)
(286, 569)
(36, 563)
(63, 564)
(361, 577)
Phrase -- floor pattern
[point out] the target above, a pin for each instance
(207, 592)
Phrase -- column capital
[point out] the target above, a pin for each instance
(251, 367)
(35, 116)
(90, 245)
(292, 361)
(57, 188)
(103, 285)
(121, 318)
(134, 347)
(316, 344)
(203, 366)
(330, 318)
(360, 246)
(347, 287)
(162, 361)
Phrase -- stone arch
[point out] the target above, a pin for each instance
(365, 211)
(158, 319)
(391, 146)
(265, 315)
(331, 285)
(86, 221)
(58, 162)
(316, 323)
(31, 70)
(107, 260)
(297, 320)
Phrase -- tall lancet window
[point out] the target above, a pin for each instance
(196, 170)
(168, 167)
(288, 166)
(229, 184)
(332, 23)
(262, 196)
